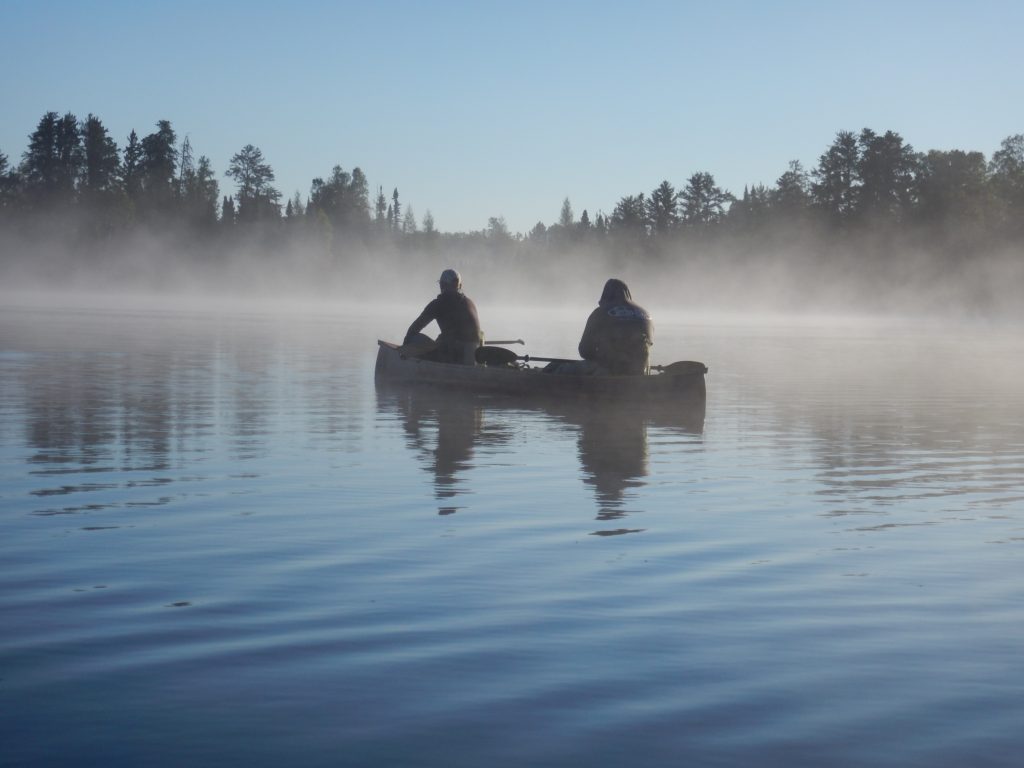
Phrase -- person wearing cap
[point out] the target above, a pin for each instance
(455, 314)
(619, 333)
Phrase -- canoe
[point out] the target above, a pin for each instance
(682, 383)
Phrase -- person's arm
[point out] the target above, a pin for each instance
(588, 344)
(420, 322)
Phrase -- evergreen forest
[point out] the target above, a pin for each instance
(871, 223)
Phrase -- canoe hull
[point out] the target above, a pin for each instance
(688, 388)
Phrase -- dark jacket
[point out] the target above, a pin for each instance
(618, 333)
(456, 316)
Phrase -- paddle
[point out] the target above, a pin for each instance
(500, 356)
(682, 368)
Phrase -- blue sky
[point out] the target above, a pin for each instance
(480, 109)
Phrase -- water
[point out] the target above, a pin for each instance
(221, 544)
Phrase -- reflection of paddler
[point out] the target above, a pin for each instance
(444, 429)
(457, 428)
(613, 453)
(457, 424)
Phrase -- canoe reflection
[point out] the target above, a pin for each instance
(447, 430)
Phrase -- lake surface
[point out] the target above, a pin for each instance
(221, 544)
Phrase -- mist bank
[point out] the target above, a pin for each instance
(798, 271)
(874, 227)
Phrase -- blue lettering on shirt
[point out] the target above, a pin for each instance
(627, 313)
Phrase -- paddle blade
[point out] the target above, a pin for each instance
(682, 368)
(495, 356)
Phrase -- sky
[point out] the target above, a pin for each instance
(482, 109)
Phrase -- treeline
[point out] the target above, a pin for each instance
(869, 191)
(74, 172)
(863, 184)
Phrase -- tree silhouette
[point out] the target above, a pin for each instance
(702, 201)
(886, 169)
(256, 198)
(791, 195)
(663, 209)
(131, 167)
(69, 158)
(102, 162)
(951, 187)
(566, 216)
(343, 199)
(1007, 178)
(630, 216)
(39, 162)
(396, 210)
(381, 210)
(8, 185)
(158, 174)
(837, 178)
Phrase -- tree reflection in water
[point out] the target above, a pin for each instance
(446, 428)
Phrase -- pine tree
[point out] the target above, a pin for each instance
(8, 185)
(382, 213)
(39, 164)
(102, 162)
(257, 198)
(227, 211)
(199, 191)
(69, 158)
(663, 209)
(409, 221)
(792, 191)
(1007, 182)
(158, 166)
(566, 217)
(837, 178)
(629, 216)
(886, 168)
(131, 167)
(702, 201)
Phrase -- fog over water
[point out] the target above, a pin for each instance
(714, 281)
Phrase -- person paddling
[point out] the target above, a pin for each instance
(456, 316)
(619, 333)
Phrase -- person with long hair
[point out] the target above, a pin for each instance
(619, 333)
